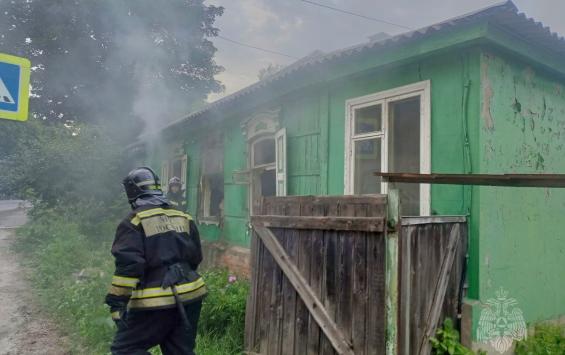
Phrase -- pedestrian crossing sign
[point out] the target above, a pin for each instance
(14, 87)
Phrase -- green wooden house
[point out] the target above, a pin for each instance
(480, 93)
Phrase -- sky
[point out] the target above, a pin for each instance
(297, 28)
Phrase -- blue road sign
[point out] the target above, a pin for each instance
(14, 87)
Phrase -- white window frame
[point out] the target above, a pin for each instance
(184, 171)
(280, 162)
(421, 89)
(205, 194)
(166, 174)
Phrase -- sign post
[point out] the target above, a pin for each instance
(14, 87)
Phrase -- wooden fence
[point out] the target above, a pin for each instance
(325, 277)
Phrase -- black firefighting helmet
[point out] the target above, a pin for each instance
(175, 181)
(141, 182)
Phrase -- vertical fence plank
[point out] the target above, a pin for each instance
(328, 272)
(359, 310)
(375, 330)
(275, 328)
(251, 323)
(391, 288)
(302, 314)
(316, 281)
(345, 269)
(329, 283)
(289, 293)
(344, 283)
(264, 301)
(304, 252)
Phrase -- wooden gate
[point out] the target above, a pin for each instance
(325, 278)
(432, 256)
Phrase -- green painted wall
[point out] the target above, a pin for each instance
(301, 118)
(236, 211)
(522, 233)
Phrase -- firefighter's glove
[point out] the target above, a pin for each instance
(174, 276)
(120, 318)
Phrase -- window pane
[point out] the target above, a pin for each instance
(216, 186)
(212, 160)
(264, 152)
(404, 145)
(367, 155)
(368, 119)
(212, 177)
(268, 183)
(212, 195)
(177, 168)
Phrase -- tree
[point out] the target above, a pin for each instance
(114, 62)
(103, 70)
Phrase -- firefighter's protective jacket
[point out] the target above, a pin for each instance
(147, 241)
(177, 200)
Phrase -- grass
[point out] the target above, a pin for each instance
(71, 268)
(546, 340)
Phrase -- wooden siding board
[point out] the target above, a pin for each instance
(323, 146)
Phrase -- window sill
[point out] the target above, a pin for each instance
(211, 221)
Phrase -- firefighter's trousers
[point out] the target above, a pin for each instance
(143, 330)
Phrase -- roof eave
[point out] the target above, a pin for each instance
(522, 47)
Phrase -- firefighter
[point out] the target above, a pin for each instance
(175, 194)
(156, 294)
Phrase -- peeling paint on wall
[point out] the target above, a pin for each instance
(487, 96)
(524, 244)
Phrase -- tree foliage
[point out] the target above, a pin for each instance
(102, 72)
(65, 164)
(113, 62)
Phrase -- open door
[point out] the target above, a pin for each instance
(280, 158)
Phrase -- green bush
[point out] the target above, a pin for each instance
(547, 340)
(446, 341)
(71, 268)
(223, 311)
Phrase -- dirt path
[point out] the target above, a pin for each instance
(24, 329)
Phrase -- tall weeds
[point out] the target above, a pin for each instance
(70, 266)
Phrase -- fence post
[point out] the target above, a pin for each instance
(391, 283)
